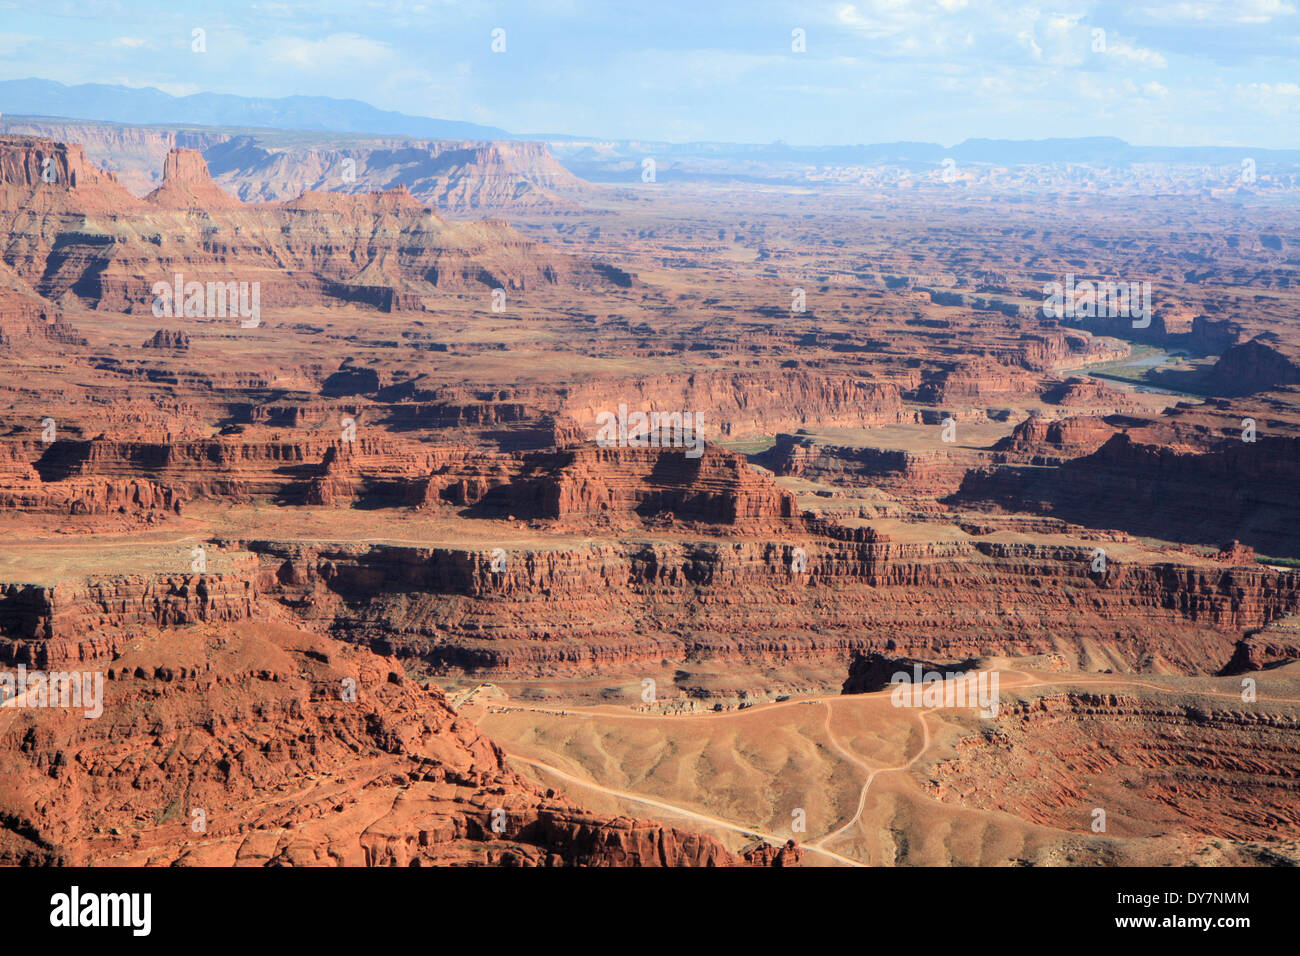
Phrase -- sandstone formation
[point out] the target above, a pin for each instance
(384, 250)
(1262, 363)
(264, 745)
(929, 474)
(1126, 753)
(621, 604)
(457, 177)
(168, 339)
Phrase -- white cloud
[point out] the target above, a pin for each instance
(1135, 56)
(334, 52)
(1233, 11)
(1270, 99)
(882, 18)
(1271, 90)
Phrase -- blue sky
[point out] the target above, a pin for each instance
(1169, 72)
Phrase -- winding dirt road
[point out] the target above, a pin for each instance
(817, 845)
(670, 808)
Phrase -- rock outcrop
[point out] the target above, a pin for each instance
(187, 185)
(262, 745)
(853, 590)
(1239, 489)
(1054, 759)
(932, 474)
(385, 250)
(459, 177)
(168, 339)
(1264, 362)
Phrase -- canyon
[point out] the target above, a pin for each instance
(368, 585)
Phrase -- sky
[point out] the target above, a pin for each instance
(1152, 72)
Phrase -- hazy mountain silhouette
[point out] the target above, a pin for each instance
(147, 105)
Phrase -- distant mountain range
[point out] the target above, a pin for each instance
(152, 107)
(149, 106)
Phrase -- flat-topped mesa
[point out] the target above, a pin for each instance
(1173, 483)
(168, 339)
(31, 163)
(666, 484)
(1040, 440)
(239, 466)
(975, 381)
(1264, 362)
(619, 487)
(87, 496)
(395, 200)
(1049, 349)
(442, 174)
(92, 617)
(740, 403)
(1090, 393)
(27, 319)
(928, 474)
(187, 185)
